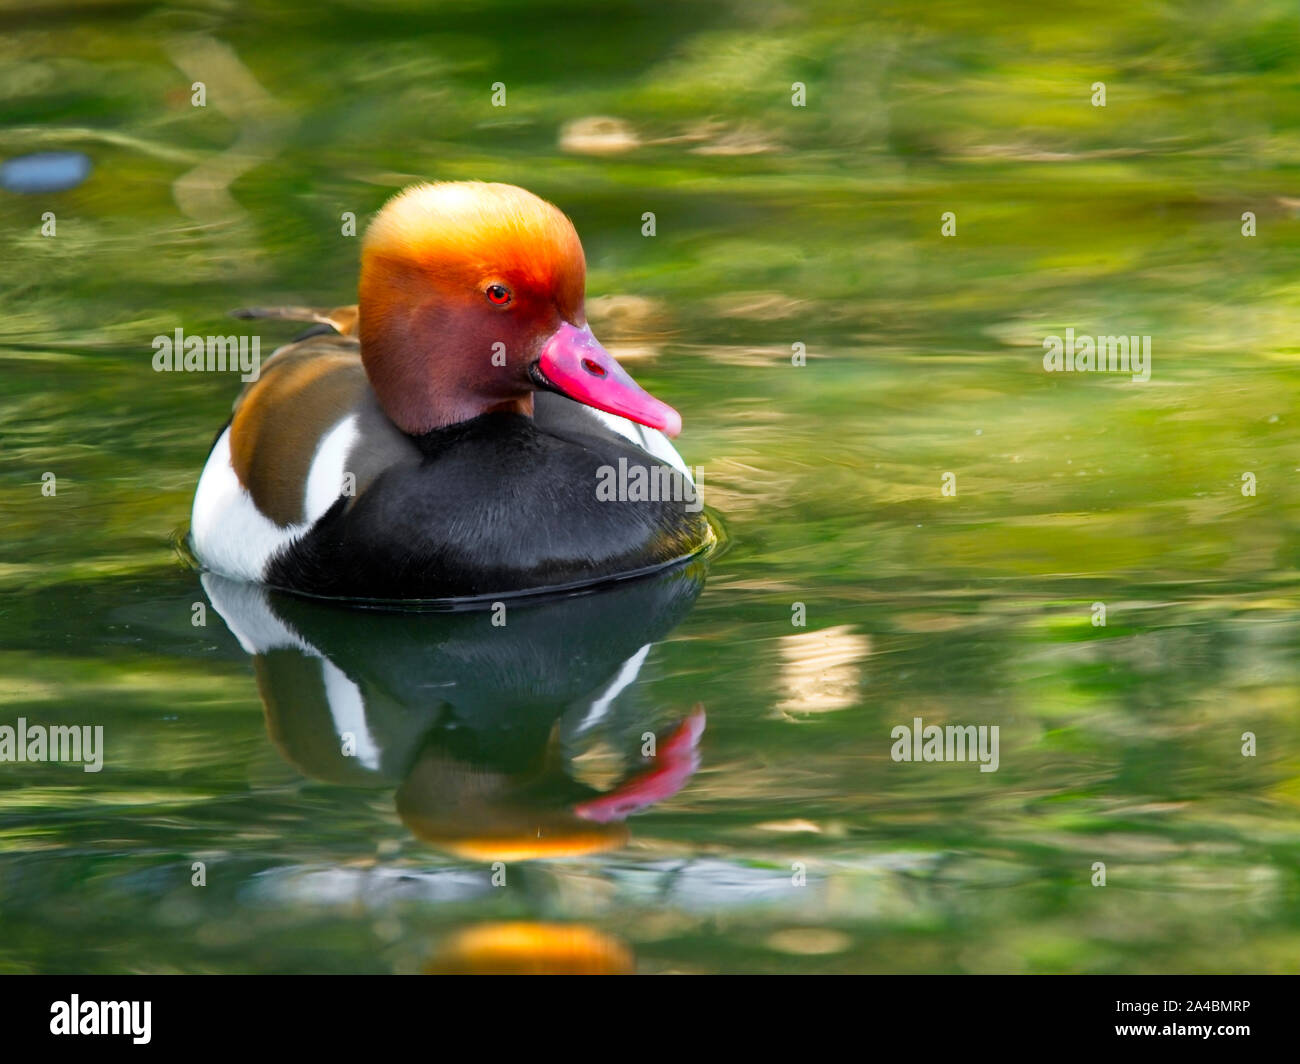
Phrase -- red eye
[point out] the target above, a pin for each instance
(498, 294)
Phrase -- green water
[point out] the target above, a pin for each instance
(798, 844)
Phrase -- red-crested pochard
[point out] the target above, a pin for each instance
(450, 435)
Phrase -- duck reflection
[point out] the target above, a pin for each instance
(524, 948)
(487, 723)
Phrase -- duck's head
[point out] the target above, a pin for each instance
(472, 299)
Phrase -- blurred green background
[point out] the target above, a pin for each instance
(775, 225)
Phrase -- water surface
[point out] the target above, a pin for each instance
(784, 838)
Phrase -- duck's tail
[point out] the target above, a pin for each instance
(343, 320)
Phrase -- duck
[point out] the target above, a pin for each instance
(445, 438)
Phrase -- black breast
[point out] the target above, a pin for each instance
(497, 506)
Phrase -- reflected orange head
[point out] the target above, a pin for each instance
(524, 948)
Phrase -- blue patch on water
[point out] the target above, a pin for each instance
(46, 171)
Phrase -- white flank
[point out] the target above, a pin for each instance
(325, 479)
(652, 441)
(232, 536)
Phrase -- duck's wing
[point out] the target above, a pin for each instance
(306, 432)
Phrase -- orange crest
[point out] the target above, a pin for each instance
(466, 233)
